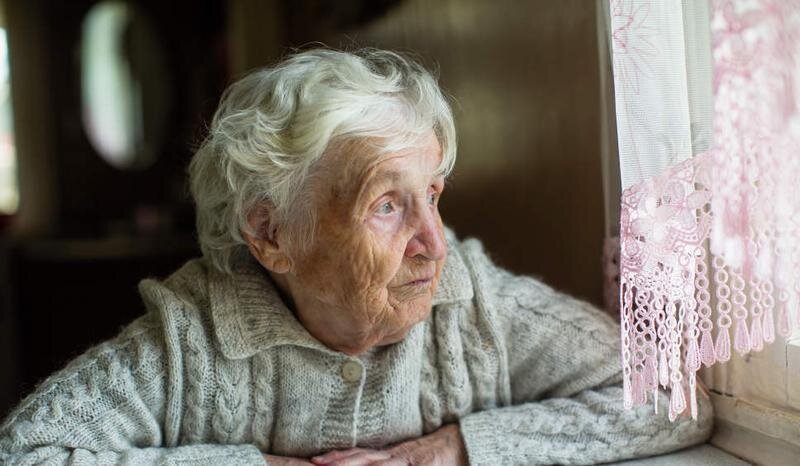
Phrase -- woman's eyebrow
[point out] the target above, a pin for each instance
(388, 177)
(382, 178)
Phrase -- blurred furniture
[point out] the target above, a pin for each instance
(72, 294)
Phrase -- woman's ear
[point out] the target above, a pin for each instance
(267, 245)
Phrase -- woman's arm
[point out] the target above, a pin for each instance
(588, 428)
(564, 377)
(107, 407)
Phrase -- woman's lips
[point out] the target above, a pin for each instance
(420, 282)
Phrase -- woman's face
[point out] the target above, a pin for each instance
(379, 247)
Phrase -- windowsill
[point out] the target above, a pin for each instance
(705, 455)
(792, 376)
(744, 432)
(755, 432)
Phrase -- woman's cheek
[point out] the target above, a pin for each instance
(385, 226)
(389, 240)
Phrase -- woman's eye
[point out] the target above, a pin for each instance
(432, 198)
(386, 208)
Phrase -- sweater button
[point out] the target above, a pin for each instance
(351, 371)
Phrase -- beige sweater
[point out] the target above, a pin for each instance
(218, 370)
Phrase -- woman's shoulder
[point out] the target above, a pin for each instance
(187, 286)
(492, 284)
(180, 300)
(181, 305)
(133, 360)
(510, 302)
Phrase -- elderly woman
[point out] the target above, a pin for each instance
(333, 319)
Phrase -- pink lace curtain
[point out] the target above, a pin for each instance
(708, 134)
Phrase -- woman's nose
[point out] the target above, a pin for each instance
(428, 240)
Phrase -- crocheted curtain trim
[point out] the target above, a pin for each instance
(718, 232)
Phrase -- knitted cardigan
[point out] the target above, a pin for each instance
(219, 370)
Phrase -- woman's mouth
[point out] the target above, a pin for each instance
(421, 282)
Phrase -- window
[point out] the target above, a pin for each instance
(123, 81)
(9, 190)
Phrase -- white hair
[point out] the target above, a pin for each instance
(272, 125)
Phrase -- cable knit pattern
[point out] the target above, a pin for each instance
(232, 401)
(484, 367)
(430, 392)
(219, 370)
(451, 364)
(262, 399)
(196, 367)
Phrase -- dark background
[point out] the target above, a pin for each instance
(523, 76)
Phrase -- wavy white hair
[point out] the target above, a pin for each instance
(275, 123)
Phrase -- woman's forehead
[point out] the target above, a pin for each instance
(356, 165)
(403, 166)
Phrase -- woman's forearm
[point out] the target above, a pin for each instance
(591, 427)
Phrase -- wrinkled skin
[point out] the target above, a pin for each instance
(378, 229)
(443, 447)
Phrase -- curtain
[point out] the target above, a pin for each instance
(609, 155)
(706, 109)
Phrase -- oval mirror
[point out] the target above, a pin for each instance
(124, 85)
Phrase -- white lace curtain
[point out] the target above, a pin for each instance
(705, 95)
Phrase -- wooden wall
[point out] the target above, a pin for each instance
(524, 76)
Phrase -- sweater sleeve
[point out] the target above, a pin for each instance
(564, 379)
(107, 407)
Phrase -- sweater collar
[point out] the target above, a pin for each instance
(250, 316)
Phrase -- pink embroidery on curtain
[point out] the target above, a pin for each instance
(719, 231)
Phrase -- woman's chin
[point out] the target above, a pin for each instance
(394, 338)
(419, 312)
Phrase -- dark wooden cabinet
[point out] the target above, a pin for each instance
(72, 294)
